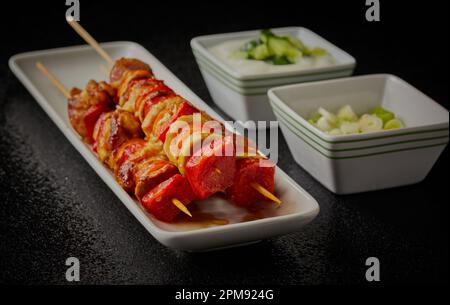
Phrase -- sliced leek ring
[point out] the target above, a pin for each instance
(346, 113)
(330, 117)
(324, 124)
(370, 123)
(347, 128)
(393, 124)
(185, 151)
(335, 132)
(147, 124)
(183, 123)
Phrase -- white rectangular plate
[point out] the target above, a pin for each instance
(74, 66)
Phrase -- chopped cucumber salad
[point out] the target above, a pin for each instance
(346, 122)
(277, 50)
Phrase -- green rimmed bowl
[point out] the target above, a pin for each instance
(362, 162)
(244, 97)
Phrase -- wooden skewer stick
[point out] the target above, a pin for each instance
(66, 93)
(181, 206)
(89, 39)
(53, 79)
(263, 191)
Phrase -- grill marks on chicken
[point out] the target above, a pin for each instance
(86, 106)
(124, 65)
(136, 140)
(139, 165)
(158, 108)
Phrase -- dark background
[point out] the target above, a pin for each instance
(53, 205)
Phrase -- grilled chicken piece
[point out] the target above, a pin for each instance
(124, 65)
(86, 106)
(142, 165)
(112, 130)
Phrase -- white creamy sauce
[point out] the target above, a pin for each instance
(225, 51)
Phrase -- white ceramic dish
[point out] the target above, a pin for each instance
(74, 66)
(244, 97)
(362, 162)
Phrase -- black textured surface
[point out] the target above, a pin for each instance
(54, 206)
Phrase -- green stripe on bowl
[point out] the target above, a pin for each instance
(296, 132)
(221, 78)
(243, 85)
(300, 125)
(318, 146)
(280, 77)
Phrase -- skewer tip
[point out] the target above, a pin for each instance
(181, 206)
(263, 191)
(89, 39)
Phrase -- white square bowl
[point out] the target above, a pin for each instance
(362, 162)
(244, 97)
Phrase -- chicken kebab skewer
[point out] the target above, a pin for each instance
(159, 109)
(140, 166)
(171, 118)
